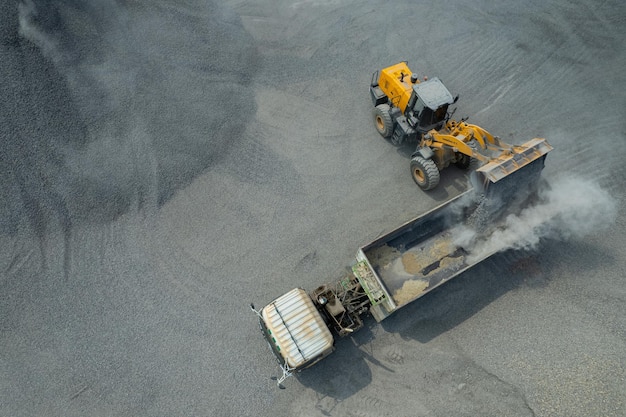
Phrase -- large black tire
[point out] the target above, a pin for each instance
(467, 162)
(462, 160)
(424, 173)
(382, 120)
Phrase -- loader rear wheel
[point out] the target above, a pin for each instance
(424, 173)
(382, 120)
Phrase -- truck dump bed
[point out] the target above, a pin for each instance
(412, 260)
(422, 254)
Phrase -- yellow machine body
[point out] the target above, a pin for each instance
(407, 108)
(395, 81)
(495, 155)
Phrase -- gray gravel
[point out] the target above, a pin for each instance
(165, 163)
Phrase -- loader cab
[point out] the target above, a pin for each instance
(429, 104)
(430, 119)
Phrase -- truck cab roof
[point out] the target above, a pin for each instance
(296, 329)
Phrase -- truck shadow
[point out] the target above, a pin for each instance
(344, 373)
(349, 369)
(455, 302)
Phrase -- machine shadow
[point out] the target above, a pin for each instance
(346, 371)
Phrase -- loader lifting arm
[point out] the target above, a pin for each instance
(471, 131)
(436, 140)
(459, 137)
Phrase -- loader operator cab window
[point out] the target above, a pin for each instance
(440, 114)
(433, 99)
(429, 119)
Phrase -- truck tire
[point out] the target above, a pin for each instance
(382, 120)
(424, 173)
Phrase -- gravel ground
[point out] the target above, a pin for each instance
(165, 163)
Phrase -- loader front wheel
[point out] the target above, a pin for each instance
(468, 162)
(382, 120)
(424, 173)
(462, 160)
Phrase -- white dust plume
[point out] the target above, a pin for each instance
(570, 208)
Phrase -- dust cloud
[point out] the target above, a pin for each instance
(567, 208)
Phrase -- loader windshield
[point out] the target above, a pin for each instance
(431, 119)
(432, 103)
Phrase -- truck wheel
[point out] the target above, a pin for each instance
(424, 173)
(382, 120)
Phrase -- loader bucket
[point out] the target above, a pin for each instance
(510, 186)
(514, 159)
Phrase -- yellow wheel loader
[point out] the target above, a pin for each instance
(409, 109)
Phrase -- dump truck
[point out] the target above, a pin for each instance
(407, 109)
(394, 270)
